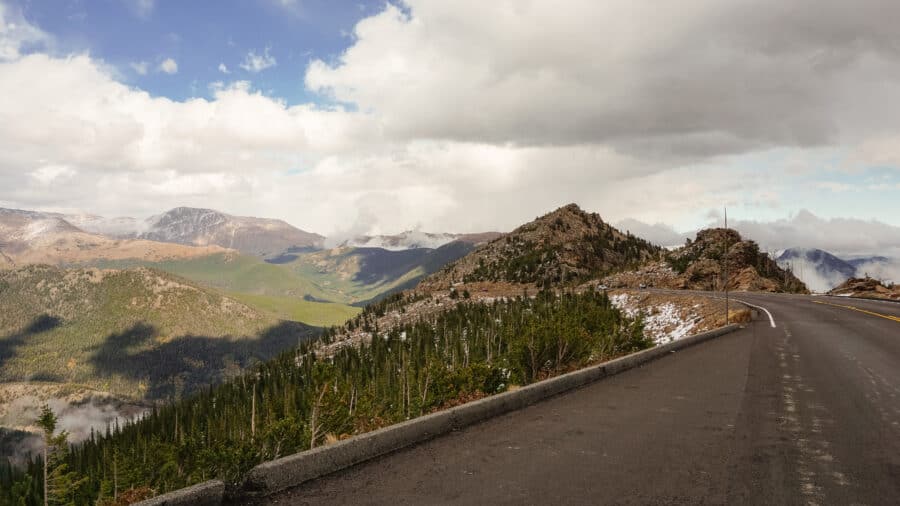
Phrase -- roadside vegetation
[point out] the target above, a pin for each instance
(322, 392)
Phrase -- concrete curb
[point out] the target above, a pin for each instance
(277, 475)
(208, 493)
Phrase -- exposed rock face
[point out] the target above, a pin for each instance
(868, 288)
(30, 237)
(202, 227)
(700, 265)
(564, 246)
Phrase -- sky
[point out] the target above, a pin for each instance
(375, 117)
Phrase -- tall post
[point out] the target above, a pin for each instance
(46, 499)
(726, 265)
(115, 475)
(253, 413)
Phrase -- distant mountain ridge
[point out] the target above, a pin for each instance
(263, 237)
(30, 237)
(254, 236)
(823, 271)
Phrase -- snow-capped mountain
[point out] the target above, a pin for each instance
(30, 237)
(201, 227)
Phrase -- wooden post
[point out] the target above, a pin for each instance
(115, 475)
(726, 266)
(45, 477)
(253, 414)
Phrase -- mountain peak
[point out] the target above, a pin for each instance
(565, 245)
(254, 236)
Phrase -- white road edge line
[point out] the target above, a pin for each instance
(771, 320)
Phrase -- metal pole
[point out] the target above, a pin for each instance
(46, 499)
(726, 265)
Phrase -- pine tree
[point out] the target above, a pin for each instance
(61, 486)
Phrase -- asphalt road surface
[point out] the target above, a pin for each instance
(807, 412)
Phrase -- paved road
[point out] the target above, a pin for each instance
(807, 412)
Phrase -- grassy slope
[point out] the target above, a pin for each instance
(137, 333)
(366, 274)
(273, 288)
(289, 290)
(319, 314)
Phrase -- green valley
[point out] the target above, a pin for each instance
(137, 333)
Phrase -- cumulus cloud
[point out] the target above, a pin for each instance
(464, 123)
(224, 69)
(658, 233)
(140, 67)
(169, 66)
(887, 270)
(48, 174)
(17, 34)
(694, 78)
(843, 237)
(258, 62)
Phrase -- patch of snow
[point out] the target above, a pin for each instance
(38, 228)
(112, 227)
(663, 322)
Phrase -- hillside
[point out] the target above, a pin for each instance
(202, 227)
(305, 399)
(407, 355)
(566, 245)
(316, 287)
(138, 334)
(361, 275)
(28, 237)
(699, 265)
(869, 288)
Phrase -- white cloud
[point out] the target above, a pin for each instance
(17, 34)
(142, 8)
(257, 63)
(293, 7)
(140, 67)
(843, 237)
(169, 66)
(51, 173)
(458, 122)
(654, 79)
(658, 233)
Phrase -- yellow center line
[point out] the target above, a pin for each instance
(885, 316)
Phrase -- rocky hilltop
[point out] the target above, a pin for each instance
(700, 265)
(565, 246)
(870, 288)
